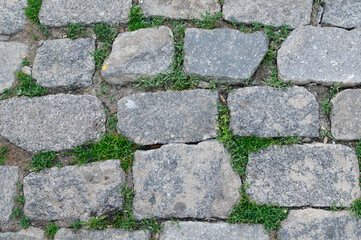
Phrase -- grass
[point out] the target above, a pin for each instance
(51, 230)
(137, 20)
(76, 225)
(24, 222)
(44, 160)
(326, 104)
(17, 212)
(20, 199)
(3, 155)
(25, 62)
(112, 121)
(32, 12)
(96, 223)
(275, 81)
(208, 21)
(356, 209)
(76, 30)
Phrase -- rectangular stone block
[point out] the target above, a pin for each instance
(12, 16)
(108, 234)
(342, 13)
(8, 179)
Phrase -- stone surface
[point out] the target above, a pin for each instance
(314, 224)
(294, 13)
(30, 233)
(342, 13)
(212, 231)
(270, 112)
(169, 117)
(108, 234)
(12, 16)
(223, 53)
(65, 63)
(181, 181)
(321, 55)
(8, 180)
(180, 8)
(11, 54)
(72, 192)
(55, 122)
(4, 38)
(57, 13)
(142, 53)
(318, 175)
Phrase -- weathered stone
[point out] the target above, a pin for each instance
(180, 180)
(169, 117)
(68, 193)
(321, 55)
(342, 13)
(142, 53)
(55, 122)
(212, 231)
(8, 180)
(4, 38)
(294, 13)
(30, 233)
(114, 234)
(55, 13)
(11, 54)
(223, 53)
(12, 16)
(65, 63)
(270, 112)
(317, 175)
(315, 224)
(180, 8)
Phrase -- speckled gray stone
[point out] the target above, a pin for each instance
(321, 55)
(169, 117)
(315, 224)
(270, 112)
(74, 192)
(12, 16)
(4, 38)
(317, 175)
(8, 180)
(57, 13)
(224, 54)
(294, 13)
(108, 234)
(181, 181)
(212, 231)
(142, 53)
(30, 233)
(342, 13)
(65, 63)
(55, 122)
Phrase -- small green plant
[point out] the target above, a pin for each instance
(112, 121)
(51, 230)
(275, 81)
(137, 20)
(32, 10)
(19, 186)
(335, 207)
(125, 219)
(24, 222)
(319, 2)
(208, 21)
(151, 225)
(17, 212)
(76, 225)
(326, 103)
(327, 134)
(44, 160)
(20, 199)
(3, 155)
(76, 30)
(221, 2)
(96, 223)
(356, 208)
(25, 62)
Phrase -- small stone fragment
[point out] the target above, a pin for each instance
(114, 234)
(8, 180)
(342, 13)
(12, 16)
(30, 233)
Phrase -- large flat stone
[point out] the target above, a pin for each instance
(317, 175)
(108, 234)
(169, 117)
(12, 16)
(74, 192)
(65, 63)
(270, 112)
(314, 224)
(8, 180)
(183, 181)
(342, 13)
(321, 55)
(142, 53)
(55, 122)
(224, 54)
(30, 233)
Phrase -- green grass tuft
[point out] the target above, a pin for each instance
(356, 209)
(76, 225)
(20, 199)
(96, 223)
(51, 230)
(24, 222)
(17, 212)
(3, 155)
(33, 9)
(275, 81)
(137, 20)
(326, 103)
(76, 30)
(44, 160)
(208, 21)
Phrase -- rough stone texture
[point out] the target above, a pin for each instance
(180, 8)
(4, 38)
(73, 192)
(270, 112)
(57, 13)
(8, 180)
(169, 117)
(314, 224)
(342, 13)
(65, 63)
(318, 175)
(212, 231)
(11, 54)
(108, 234)
(322, 55)
(223, 53)
(180, 180)
(30, 233)
(142, 53)
(55, 122)
(12, 16)
(294, 13)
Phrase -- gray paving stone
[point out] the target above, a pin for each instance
(169, 117)
(4, 38)
(315, 224)
(108, 234)
(294, 13)
(8, 180)
(74, 192)
(224, 54)
(65, 63)
(321, 55)
(318, 175)
(270, 112)
(180, 180)
(12, 16)
(11, 54)
(342, 13)
(30, 233)
(55, 122)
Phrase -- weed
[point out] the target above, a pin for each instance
(24, 222)
(137, 20)
(76, 225)
(20, 199)
(126, 220)
(208, 21)
(43, 29)
(33, 9)
(112, 121)
(102, 91)
(76, 30)
(335, 207)
(19, 186)
(51, 230)
(356, 208)
(319, 2)
(34, 36)
(152, 225)
(43, 160)
(25, 62)
(3, 155)
(96, 223)
(275, 81)
(100, 54)
(334, 89)
(17, 212)
(223, 87)
(326, 103)
(327, 134)
(221, 2)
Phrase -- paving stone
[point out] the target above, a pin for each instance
(55, 122)
(57, 13)
(342, 13)
(321, 55)
(180, 180)
(108, 234)
(12, 16)
(212, 231)
(11, 54)
(270, 112)
(68, 193)
(4, 38)
(316, 224)
(8, 180)
(65, 63)
(169, 117)
(30, 233)
(223, 53)
(142, 53)
(294, 13)
(317, 175)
